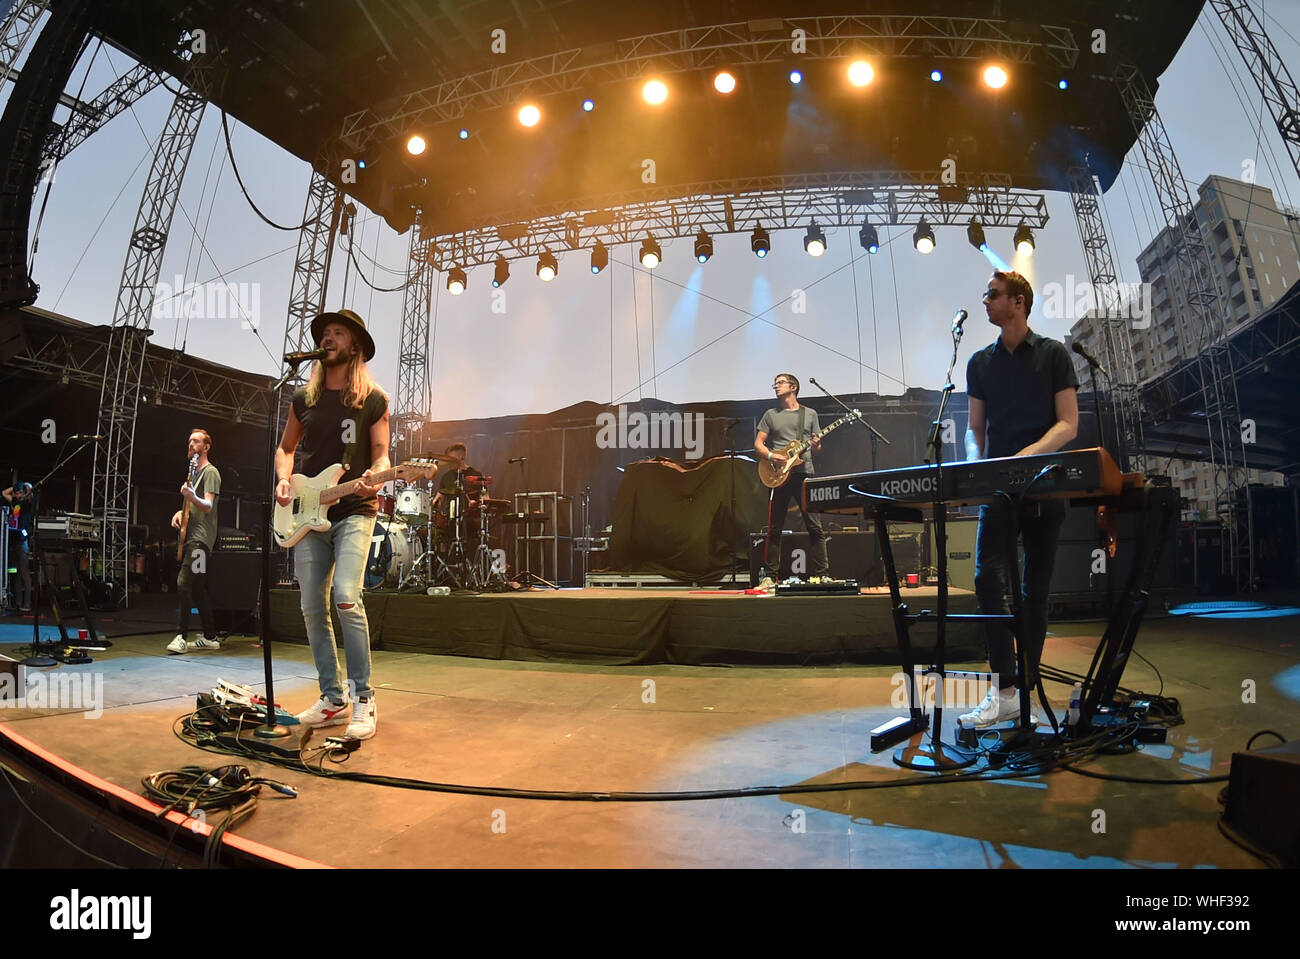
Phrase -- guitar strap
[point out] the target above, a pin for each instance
(803, 421)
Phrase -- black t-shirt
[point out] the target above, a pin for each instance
(1019, 390)
(20, 518)
(333, 433)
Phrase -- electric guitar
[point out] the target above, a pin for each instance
(313, 496)
(185, 508)
(774, 475)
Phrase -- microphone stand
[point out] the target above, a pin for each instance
(526, 577)
(731, 465)
(1101, 441)
(875, 433)
(935, 756)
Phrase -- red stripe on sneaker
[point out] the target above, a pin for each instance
(331, 713)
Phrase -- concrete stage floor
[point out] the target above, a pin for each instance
(558, 727)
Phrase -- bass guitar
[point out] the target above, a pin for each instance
(314, 495)
(774, 474)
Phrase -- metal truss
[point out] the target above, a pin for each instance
(411, 402)
(1203, 318)
(1268, 69)
(168, 377)
(89, 117)
(18, 30)
(125, 356)
(698, 48)
(1116, 325)
(737, 206)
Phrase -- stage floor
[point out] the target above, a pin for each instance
(579, 727)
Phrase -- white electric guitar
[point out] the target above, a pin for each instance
(314, 495)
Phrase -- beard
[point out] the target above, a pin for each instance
(336, 359)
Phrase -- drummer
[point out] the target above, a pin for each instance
(458, 473)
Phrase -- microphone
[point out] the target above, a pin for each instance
(1078, 348)
(519, 459)
(85, 436)
(958, 320)
(303, 356)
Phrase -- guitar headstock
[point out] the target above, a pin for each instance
(416, 469)
(194, 467)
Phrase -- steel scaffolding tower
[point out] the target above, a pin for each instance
(1115, 323)
(124, 361)
(411, 406)
(1202, 317)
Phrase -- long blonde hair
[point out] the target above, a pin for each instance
(360, 384)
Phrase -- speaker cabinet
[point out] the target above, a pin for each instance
(1261, 806)
(234, 580)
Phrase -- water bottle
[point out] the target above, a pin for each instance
(1076, 701)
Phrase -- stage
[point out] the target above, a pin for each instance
(654, 728)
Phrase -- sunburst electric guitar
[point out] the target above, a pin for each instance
(314, 495)
(185, 508)
(774, 475)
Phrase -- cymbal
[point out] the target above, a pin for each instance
(440, 457)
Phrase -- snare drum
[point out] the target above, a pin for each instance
(391, 554)
(412, 502)
(387, 501)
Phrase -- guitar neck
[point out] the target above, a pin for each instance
(839, 422)
(332, 493)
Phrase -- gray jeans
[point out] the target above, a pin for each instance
(337, 558)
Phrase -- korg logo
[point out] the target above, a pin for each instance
(903, 487)
(816, 495)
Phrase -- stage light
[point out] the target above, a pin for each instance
(589, 104)
(599, 257)
(995, 77)
(415, 145)
(936, 76)
(724, 82)
(361, 164)
(796, 77)
(651, 254)
(456, 281)
(655, 91)
(868, 238)
(502, 271)
(529, 115)
(464, 134)
(923, 237)
(975, 234)
(814, 243)
(861, 73)
(547, 266)
(760, 242)
(703, 246)
(1024, 240)
(1063, 84)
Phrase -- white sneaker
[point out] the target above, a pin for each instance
(177, 645)
(204, 643)
(364, 715)
(997, 707)
(325, 713)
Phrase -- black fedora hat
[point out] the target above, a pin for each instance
(352, 321)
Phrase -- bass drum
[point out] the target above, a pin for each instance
(391, 554)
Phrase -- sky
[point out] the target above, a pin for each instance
(682, 333)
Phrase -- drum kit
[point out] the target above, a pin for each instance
(423, 541)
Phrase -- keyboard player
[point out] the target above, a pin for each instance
(1023, 401)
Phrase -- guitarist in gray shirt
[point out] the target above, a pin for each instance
(200, 516)
(781, 426)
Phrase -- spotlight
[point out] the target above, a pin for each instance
(923, 238)
(654, 91)
(861, 73)
(456, 281)
(759, 242)
(464, 134)
(415, 145)
(651, 254)
(868, 238)
(975, 234)
(361, 164)
(936, 76)
(724, 82)
(599, 257)
(529, 115)
(796, 77)
(703, 246)
(995, 77)
(502, 272)
(547, 266)
(814, 244)
(1024, 240)
(589, 104)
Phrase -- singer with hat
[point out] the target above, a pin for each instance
(340, 416)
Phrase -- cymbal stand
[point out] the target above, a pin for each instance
(484, 574)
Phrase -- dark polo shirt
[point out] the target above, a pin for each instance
(1019, 390)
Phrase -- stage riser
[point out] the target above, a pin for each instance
(630, 629)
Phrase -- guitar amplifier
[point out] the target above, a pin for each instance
(233, 540)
